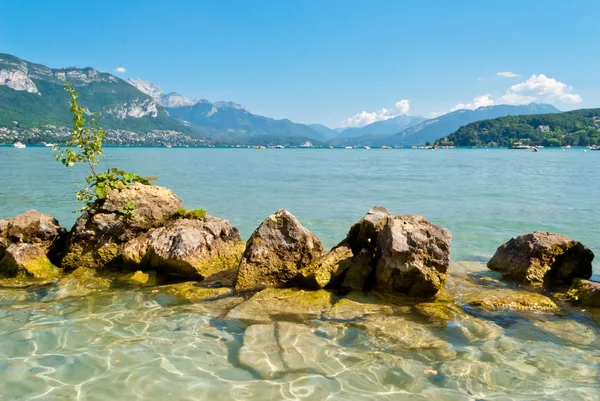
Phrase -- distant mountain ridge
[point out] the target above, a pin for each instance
(384, 127)
(435, 128)
(432, 129)
(32, 96)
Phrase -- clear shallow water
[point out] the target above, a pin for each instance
(130, 344)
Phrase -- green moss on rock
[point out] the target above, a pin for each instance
(509, 299)
(90, 258)
(190, 291)
(283, 304)
(584, 293)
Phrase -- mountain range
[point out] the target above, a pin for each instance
(33, 105)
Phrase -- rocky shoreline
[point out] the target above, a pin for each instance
(385, 264)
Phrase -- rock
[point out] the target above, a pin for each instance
(276, 252)
(192, 292)
(283, 304)
(363, 234)
(217, 308)
(357, 305)
(401, 333)
(412, 257)
(99, 234)
(303, 351)
(190, 248)
(439, 312)
(568, 330)
(542, 258)
(146, 279)
(271, 350)
(471, 329)
(585, 293)
(493, 299)
(359, 271)
(332, 265)
(81, 282)
(31, 227)
(27, 260)
(260, 351)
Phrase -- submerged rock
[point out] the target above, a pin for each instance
(27, 260)
(568, 330)
(31, 227)
(331, 266)
(413, 256)
(99, 234)
(493, 299)
(192, 292)
(271, 350)
(81, 282)
(191, 248)
(260, 352)
(401, 333)
(276, 252)
(283, 304)
(543, 258)
(356, 305)
(585, 293)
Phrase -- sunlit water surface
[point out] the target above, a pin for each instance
(133, 344)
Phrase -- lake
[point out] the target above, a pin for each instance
(66, 348)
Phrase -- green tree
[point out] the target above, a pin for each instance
(85, 146)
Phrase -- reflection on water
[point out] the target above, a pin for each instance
(125, 343)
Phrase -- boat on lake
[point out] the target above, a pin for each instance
(367, 147)
(49, 145)
(19, 145)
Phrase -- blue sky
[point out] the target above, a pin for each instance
(326, 61)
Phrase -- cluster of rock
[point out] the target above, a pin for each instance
(397, 254)
(402, 255)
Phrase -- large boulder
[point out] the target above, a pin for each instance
(27, 260)
(99, 234)
(193, 248)
(585, 293)
(412, 256)
(542, 258)
(31, 227)
(276, 252)
(363, 235)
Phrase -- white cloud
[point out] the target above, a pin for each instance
(478, 101)
(507, 74)
(402, 106)
(540, 88)
(120, 70)
(364, 118)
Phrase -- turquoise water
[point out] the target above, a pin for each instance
(483, 197)
(129, 344)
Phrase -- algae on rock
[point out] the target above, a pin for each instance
(283, 304)
(27, 260)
